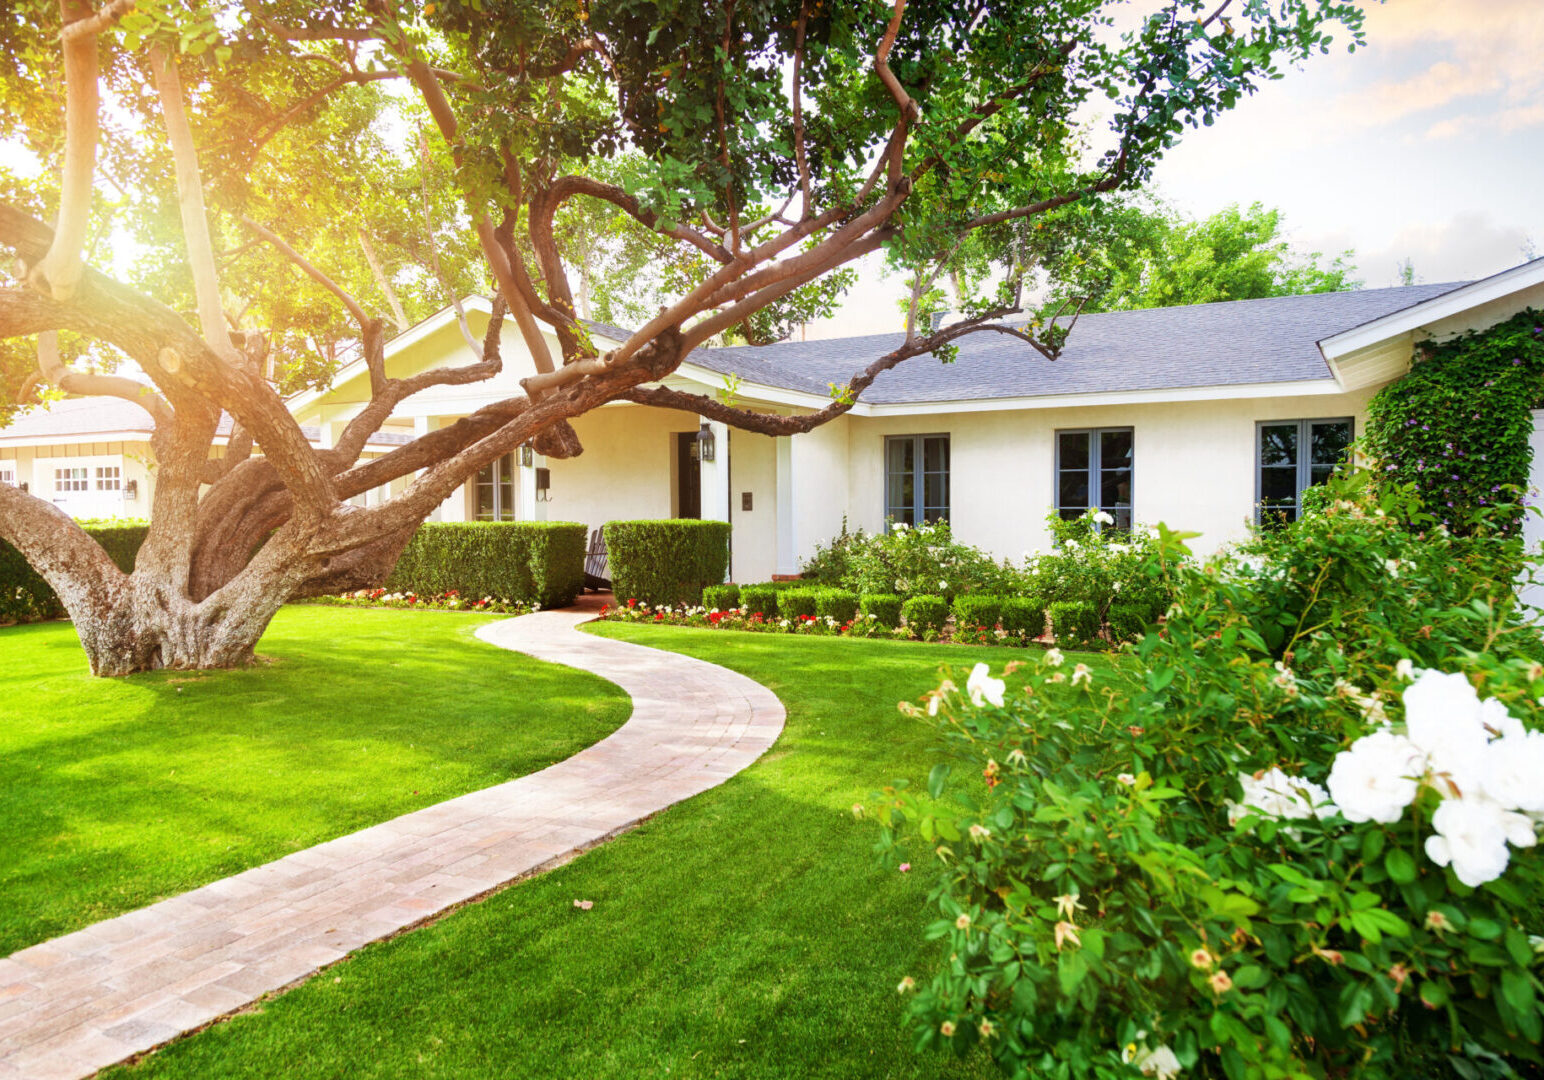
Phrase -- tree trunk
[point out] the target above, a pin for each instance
(140, 629)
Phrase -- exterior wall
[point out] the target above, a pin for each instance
(1193, 467)
(35, 465)
(626, 470)
(752, 471)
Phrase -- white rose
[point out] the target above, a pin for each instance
(1512, 772)
(1275, 794)
(1472, 834)
(983, 688)
(1103, 518)
(1054, 657)
(1405, 670)
(1443, 716)
(1376, 778)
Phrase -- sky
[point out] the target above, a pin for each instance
(1427, 144)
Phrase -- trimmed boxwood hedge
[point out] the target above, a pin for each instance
(1024, 615)
(885, 608)
(792, 603)
(721, 597)
(978, 610)
(759, 600)
(1128, 622)
(1075, 624)
(25, 596)
(924, 613)
(838, 604)
(530, 562)
(666, 562)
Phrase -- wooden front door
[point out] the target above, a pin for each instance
(688, 477)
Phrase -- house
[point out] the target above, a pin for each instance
(92, 457)
(1196, 416)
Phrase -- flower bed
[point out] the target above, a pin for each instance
(445, 601)
(861, 625)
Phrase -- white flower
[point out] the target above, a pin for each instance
(1472, 835)
(1082, 673)
(1404, 670)
(1054, 657)
(1376, 778)
(943, 584)
(1275, 794)
(901, 526)
(1071, 545)
(1126, 778)
(1103, 518)
(1152, 532)
(1445, 718)
(1159, 1061)
(1392, 566)
(983, 688)
(1512, 771)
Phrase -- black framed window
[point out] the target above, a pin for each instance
(1094, 472)
(496, 490)
(916, 478)
(1293, 455)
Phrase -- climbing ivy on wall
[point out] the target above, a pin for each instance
(1457, 426)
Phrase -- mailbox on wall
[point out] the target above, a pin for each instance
(543, 484)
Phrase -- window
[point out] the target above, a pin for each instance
(108, 478)
(916, 478)
(1093, 472)
(73, 479)
(8, 476)
(496, 490)
(1293, 455)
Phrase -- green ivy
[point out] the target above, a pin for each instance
(1458, 425)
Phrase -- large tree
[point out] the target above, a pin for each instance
(774, 141)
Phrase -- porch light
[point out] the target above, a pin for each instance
(705, 443)
(527, 455)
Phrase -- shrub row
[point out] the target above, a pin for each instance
(25, 596)
(525, 562)
(666, 562)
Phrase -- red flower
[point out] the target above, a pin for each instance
(632, 602)
(659, 616)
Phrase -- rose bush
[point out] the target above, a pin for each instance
(1295, 840)
(445, 601)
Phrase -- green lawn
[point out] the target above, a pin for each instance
(117, 792)
(745, 933)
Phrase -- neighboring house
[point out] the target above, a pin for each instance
(91, 457)
(1194, 416)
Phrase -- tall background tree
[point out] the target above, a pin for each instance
(772, 143)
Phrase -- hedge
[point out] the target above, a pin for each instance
(885, 608)
(1024, 615)
(838, 604)
(666, 562)
(978, 610)
(924, 613)
(1128, 622)
(1075, 624)
(25, 596)
(793, 603)
(759, 600)
(721, 597)
(531, 562)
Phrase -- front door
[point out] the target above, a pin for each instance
(688, 478)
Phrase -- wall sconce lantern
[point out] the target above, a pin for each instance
(24, 486)
(527, 455)
(543, 485)
(705, 443)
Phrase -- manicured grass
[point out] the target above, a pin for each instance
(746, 933)
(117, 792)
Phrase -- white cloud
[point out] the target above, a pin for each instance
(1463, 247)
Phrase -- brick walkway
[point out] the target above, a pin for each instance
(78, 1003)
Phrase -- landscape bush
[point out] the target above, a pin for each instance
(518, 562)
(759, 599)
(1023, 615)
(1128, 622)
(796, 603)
(25, 596)
(1075, 624)
(978, 610)
(1295, 838)
(885, 607)
(925, 616)
(922, 560)
(838, 604)
(666, 562)
(721, 597)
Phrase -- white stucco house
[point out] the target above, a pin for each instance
(1195, 416)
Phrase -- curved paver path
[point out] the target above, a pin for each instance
(78, 1003)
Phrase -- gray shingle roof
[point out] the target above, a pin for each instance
(1222, 344)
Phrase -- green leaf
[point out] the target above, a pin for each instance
(1434, 994)
(1485, 929)
(936, 778)
(1400, 866)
